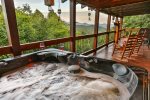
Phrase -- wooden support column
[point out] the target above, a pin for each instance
(116, 37)
(121, 24)
(73, 25)
(11, 26)
(96, 31)
(108, 28)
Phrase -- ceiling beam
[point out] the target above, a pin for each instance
(138, 8)
(126, 11)
(108, 3)
(119, 7)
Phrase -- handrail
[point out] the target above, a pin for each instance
(92, 50)
(104, 33)
(36, 45)
(92, 35)
(84, 36)
(5, 50)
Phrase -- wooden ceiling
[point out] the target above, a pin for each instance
(119, 8)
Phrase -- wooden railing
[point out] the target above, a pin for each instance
(36, 45)
(102, 43)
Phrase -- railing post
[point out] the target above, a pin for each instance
(96, 31)
(73, 25)
(11, 26)
(108, 29)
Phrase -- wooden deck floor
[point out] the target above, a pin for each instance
(139, 60)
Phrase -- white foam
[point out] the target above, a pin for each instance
(53, 82)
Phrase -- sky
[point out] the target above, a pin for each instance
(82, 14)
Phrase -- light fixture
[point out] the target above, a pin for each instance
(89, 13)
(63, 1)
(49, 2)
(83, 6)
(50, 9)
(59, 10)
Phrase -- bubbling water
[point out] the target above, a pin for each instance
(51, 81)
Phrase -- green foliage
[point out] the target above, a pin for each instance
(56, 27)
(38, 14)
(87, 29)
(140, 21)
(5, 56)
(25, 8)
(34, 26)
(3, 33)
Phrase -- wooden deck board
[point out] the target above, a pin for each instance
(139, 60)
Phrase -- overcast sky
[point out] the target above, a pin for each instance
(39, 4)
(81, 17)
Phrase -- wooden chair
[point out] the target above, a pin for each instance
(140, 39)
(127, 48)
(147, 38)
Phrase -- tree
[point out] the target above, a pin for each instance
(3, 33)
(0, 9)
(57, 28)
(25, 9)
(38, 14)
(140, 21)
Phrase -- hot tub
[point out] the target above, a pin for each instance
(44, 75)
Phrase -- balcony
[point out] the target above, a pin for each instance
(99, 45)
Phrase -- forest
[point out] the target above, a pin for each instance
(34, 26)
(140, 21)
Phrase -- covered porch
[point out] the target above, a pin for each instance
(116, 9)
(141, 59)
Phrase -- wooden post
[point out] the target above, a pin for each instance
(116, 37)
(11, 26)
(73, 25)
(96, 31)
(108, 29)
(121, 24)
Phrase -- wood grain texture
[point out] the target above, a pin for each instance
(119, 7)
(73, 25)
(96, 30)
(11, 26)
